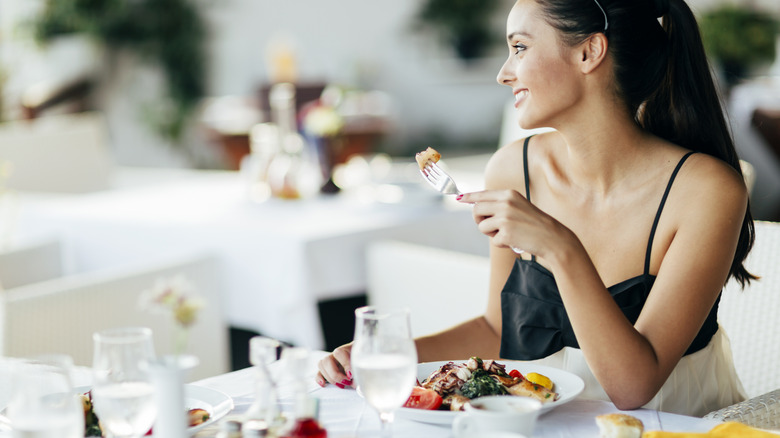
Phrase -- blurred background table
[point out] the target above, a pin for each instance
(286, 264)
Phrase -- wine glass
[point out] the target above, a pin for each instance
(43, 403)
(123, 394)
(384, 360)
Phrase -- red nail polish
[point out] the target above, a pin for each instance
(346, 382)
(339, 385)
(458, 198)
(349, 374)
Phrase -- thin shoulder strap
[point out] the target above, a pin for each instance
(527, 179)
(525, 169)
(660, 209)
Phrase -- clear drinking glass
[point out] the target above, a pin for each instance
(123, 394)
(43, 403)
(384, 360)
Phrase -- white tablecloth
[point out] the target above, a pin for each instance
(345, 414)
(279, 258)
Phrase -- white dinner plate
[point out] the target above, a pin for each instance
(567, 385)
(217, 403)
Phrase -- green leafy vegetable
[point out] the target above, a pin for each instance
(481, 384)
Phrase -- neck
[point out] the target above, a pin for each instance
(603, 149)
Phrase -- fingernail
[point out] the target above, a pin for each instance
(339, 385)
(349, 374)
(346, 382)
(458, 198)
(321, 383)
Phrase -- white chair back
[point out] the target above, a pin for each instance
(60, 315)
(440, 287)
(30, 261)
(62, 154)
(750, 317)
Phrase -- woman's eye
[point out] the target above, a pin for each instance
(519, 48)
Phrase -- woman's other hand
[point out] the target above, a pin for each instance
(335, 368)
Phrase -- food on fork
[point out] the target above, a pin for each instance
(619, 426)
(427, 155)
(458, 383)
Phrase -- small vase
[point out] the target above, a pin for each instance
(168, 376)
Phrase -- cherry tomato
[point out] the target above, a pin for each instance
(423, 398)
(516, 374)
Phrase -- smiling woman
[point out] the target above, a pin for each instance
(633, 213)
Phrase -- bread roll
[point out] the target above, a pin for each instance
(619, 426)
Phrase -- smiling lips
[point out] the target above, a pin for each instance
(520, 96)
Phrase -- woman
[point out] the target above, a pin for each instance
(639, 189)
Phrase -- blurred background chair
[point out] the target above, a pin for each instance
(440, 287)
(31, 261)
(749, 317)
(60, 315)
(66, 153)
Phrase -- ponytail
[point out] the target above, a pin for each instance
(686, 110)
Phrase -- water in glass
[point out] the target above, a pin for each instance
(384, 360)
(123, 394)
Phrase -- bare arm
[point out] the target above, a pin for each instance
(632, 362)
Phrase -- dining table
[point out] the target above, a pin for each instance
(279, 258)
(345, 414)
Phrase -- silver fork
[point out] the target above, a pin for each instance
(443, 182)
(439, 179)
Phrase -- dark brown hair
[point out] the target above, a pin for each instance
(663, 76)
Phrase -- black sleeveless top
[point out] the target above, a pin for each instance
(534, 320)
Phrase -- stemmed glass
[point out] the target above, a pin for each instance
(43, 403)
(384, 360)
(123, 394)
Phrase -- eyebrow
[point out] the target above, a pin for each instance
(519, 32)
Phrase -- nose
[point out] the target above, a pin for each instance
(504, 75)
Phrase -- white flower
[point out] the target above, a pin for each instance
(174, 295)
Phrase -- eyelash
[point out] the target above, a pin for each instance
(519, 48)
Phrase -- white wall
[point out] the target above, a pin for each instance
(355, 42)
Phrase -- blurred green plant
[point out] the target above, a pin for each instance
(739, 38)
(464, 24)
(169, 33)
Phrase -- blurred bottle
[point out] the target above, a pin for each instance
(305, 421)
(264, 414)
(293, 171)
(229, 429)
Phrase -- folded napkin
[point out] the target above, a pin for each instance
(725, 430)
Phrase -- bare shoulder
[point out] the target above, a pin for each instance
(505, 168)
(707, 186)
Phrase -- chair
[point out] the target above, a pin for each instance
(440, 287)
(750, 318)
(31, 261)
(57, 154)
(60, 315)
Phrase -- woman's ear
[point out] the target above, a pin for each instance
(592, 52)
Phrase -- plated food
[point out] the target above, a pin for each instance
(195, 417)
(566, 385)
(453, 384)
(200, 401)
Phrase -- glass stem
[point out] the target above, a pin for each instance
(386, 419)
